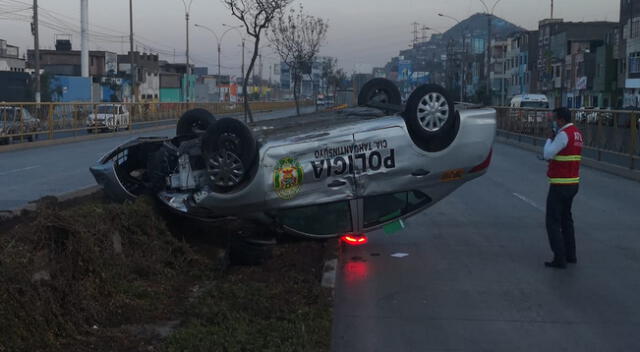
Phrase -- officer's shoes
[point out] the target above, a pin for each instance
(556, 265)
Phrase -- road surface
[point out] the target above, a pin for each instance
(473, 278)
(27, 175)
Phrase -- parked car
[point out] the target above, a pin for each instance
(108, 117)
(17, 120)
(531, 101)
(324, 175)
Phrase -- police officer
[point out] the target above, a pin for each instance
(563, 150)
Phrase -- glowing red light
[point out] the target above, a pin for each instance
(485, 164)
(355, 239)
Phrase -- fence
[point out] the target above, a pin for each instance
(20, 122)
(609, 135)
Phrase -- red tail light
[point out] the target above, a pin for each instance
(355, 239)
(485, 164)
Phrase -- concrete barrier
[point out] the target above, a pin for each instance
(592, 163)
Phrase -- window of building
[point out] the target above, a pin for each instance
(635, 27)
(634, 62)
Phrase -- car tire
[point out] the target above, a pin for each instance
(194, 121)
(379, 90)
(431, 118)
(229, 149)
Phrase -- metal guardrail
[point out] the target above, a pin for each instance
(23, 122)
(609, 135)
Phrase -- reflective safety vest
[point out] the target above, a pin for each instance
(564, 169)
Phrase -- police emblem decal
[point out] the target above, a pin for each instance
(287, 178)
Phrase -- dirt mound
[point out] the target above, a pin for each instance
(66, 272)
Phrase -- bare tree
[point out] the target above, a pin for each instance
(256, 16)
(297, 38)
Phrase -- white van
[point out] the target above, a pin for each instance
(535, 101)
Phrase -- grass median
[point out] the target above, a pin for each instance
(98, 276)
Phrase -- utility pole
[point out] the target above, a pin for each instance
(84, 24)
(489, 30)
(188, 80)
(187, 10)
(132, 65)
(219, 80)
(260, 73)
(243, 78)
(36, 48)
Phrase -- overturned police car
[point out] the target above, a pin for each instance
(320, 175)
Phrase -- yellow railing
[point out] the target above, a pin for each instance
(21, 122)
(614, 132)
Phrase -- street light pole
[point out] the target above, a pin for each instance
(489, 15)
(132, 66)
(187, 10)
(36, 49)
(219, 46)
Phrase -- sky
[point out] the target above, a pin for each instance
(361, 32)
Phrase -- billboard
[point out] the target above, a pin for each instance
(404, 70)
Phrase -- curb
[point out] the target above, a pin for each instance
(8, 215)
(330, 267)
(594, 164)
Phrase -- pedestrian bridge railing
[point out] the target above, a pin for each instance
(609, 135)
(23, 122)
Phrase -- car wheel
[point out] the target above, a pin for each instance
(379, 91)
(229, 149)
(431, 118)
(194, 122)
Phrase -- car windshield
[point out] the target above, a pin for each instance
(107, 109)
(535, 104)
(318, 220)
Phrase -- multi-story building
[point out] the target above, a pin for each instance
(566, 59)
(628, 51)
(10, 58)
(521, 63)
(605, 81)
(498, 73)
(64, 61)
(147, 74)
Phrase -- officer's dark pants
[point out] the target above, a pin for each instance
(560, 222)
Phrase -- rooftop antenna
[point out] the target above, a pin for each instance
(551, 9)
(415, 33)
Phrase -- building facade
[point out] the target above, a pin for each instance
(10, 58)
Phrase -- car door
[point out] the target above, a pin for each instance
(387, 160)
(311, 184)
(310, 169)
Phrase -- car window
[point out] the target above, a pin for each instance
(105, 109)
(388, 207)
(319, 220)
(7, 114)
(534, 104)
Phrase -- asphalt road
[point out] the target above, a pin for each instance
(27, 175)
(473, 277)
